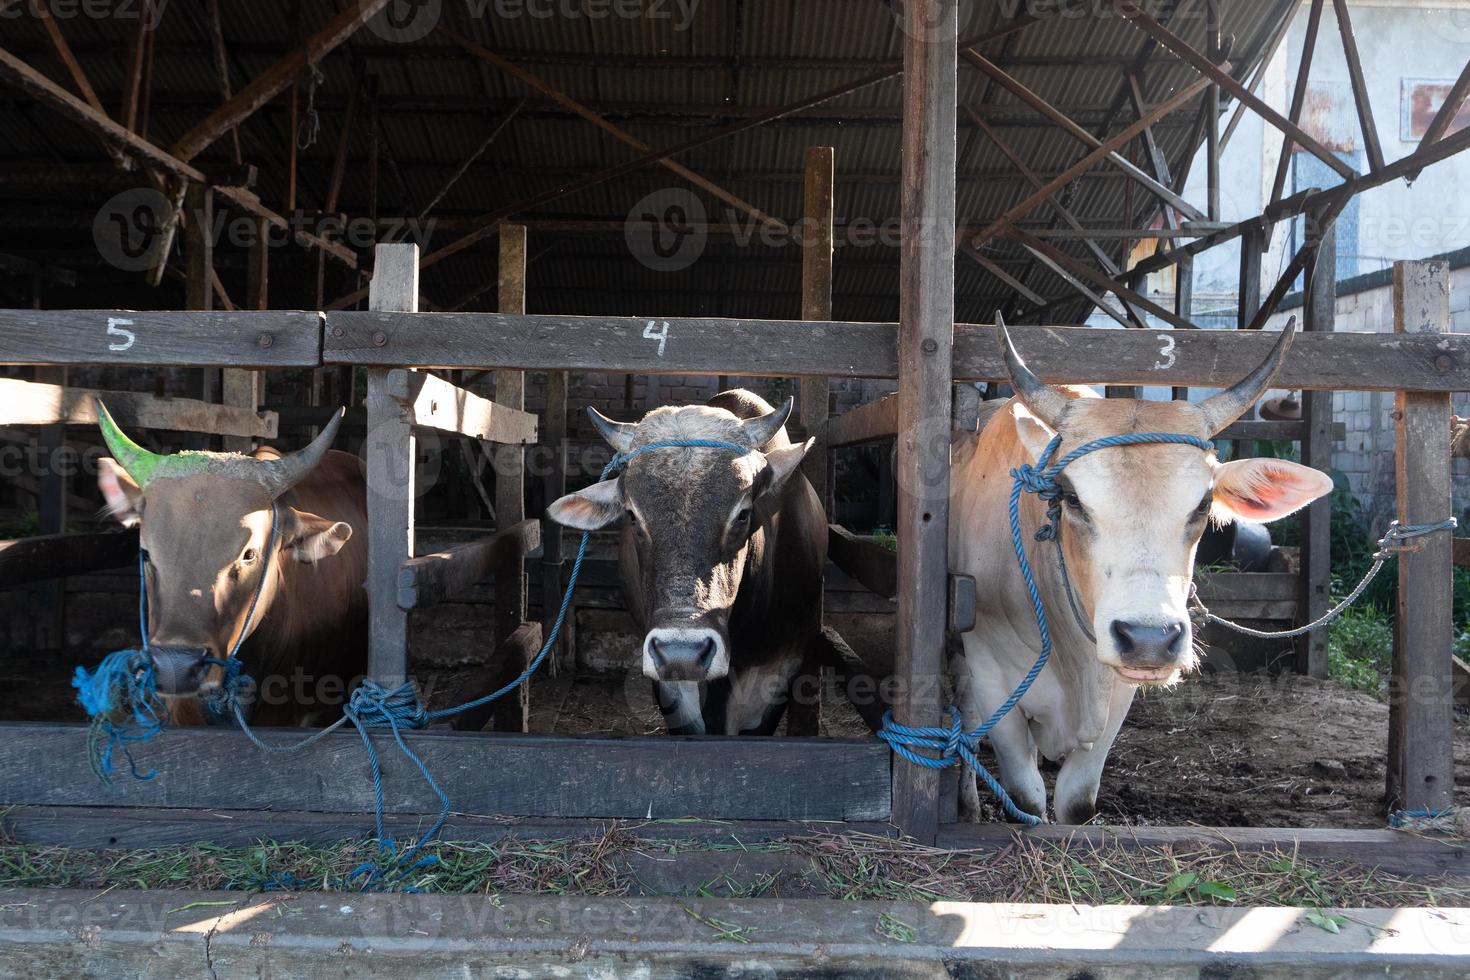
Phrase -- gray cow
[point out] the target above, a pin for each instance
(720, 558)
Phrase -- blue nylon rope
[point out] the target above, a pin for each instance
(127, 677)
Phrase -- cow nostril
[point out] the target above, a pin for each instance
(1147, 642)
(1121, 637)
(706, 653)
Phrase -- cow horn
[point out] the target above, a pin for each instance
(280, 475)
(136, 461)
(763, 428)
(618, 435)
(1045, 402)
(1222, 409)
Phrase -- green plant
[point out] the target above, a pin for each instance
(1360, 649)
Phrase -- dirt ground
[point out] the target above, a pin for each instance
(1218, 750)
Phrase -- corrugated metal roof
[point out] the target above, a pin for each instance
(665, 82)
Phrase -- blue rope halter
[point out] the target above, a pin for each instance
(125, 679)
(953, 744)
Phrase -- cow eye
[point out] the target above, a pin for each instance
(248, 556)
(743, 517)
(1205, 505)
(1071, 499)
(632, 517)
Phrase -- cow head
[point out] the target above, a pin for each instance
(694, 518)
(1132, 515)
(205, 524)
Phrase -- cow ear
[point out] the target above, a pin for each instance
(124, 499)
(1262, 490)
(1034, 433)
(314, 538)
(589, 509)
(780, 464)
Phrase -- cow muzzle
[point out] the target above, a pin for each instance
(1150, 652)
(685, 654)
(179, 670)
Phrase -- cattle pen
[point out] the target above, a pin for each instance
(411, 369)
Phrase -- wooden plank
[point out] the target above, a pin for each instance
(926, 339)
(52, 556)
(517, 775)
(437, 404)
(1390, 850)
(1421, 765)
(33, 403)
(392, 458)
(1462, 551)
(511, 713)
(160, 339)
(427, 580)
(274, 80)
(868, 422)
(780, 348)
(859, 681)
(553, 535)
(871, 564)
(1316, 452)
(1270, 430)
(135, 827)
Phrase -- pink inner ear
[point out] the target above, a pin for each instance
(1268, 493)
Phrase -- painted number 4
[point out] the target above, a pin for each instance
(115, 326)
(1166, 352)
(662, 336)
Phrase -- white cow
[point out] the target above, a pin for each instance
(1131, 518)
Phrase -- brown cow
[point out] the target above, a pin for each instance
(205, 525)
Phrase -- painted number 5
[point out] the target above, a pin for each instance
(1166, 351)
(115, 326)
(662, 336)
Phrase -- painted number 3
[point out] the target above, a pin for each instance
(115, 326)
(1166, 353)
(662, 336)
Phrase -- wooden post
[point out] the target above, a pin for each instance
(554, 436)
(243, 388)
(804, 709)
(1252, 244)
(925, 373)
(1183, 304)
(510, 714)
(50, 595)
(1421, 769)
(391, 462)
(1316, 553)
(198, 291)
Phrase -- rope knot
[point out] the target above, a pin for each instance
(375, 706)
(1034, 479)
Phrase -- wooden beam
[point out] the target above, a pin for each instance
(866, 423)
(616, 132)
(275, 79)
(221, 61)
(994, 269)
(1360, 87)
(43, 89)
(1421, 765)
(1215, 75)
(1096, 299)
(1155, 156)
(160, 339)
(867, 562)
(427, 580)
(496, 128)
(33, 403)
(392, 460)
(799, 779)
(53, 556)
(816, 303)
(436, 404)
(510, 713)
(1035, 180)
(926, 338)
(1081, 270)
(1298, 96)
(782, 348)
(1090, 160)
(1160, 190)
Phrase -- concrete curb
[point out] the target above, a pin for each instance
(46, 933)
